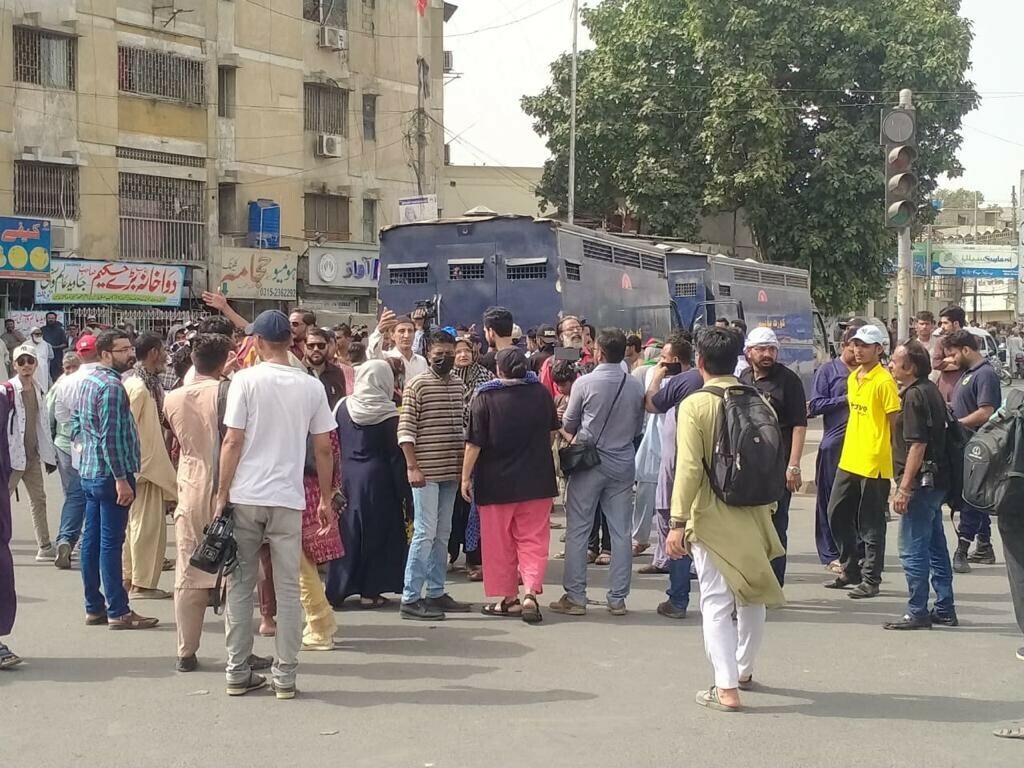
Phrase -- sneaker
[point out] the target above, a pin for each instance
(669, 611)
(63, 559)
(254, 683)
(983, 554)
(257, 663)
(420, 611)
(187, 664)
(909, 622)
(864, 590)
(132, 620)
(947, 620)
(46, 554)
(283, 692)
(617, 607)
(960, 562)
(447, 604)
(567, 607)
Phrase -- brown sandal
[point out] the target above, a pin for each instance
(531, 610)
(132, 620)
(502, 609)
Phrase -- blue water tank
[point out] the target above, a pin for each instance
(264, 224)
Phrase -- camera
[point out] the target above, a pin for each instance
(928, 470)
(428, 308)
(218, 551)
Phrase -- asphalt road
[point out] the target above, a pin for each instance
(474, 691)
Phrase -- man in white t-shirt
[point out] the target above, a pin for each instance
(403, 330)
(271, 408)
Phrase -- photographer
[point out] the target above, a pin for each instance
(921, 470)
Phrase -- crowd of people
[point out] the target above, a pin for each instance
(353, 468)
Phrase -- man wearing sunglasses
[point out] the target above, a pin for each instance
(30, 444)
(318, 364)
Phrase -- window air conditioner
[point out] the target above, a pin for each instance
(334, 38)
(329, 145)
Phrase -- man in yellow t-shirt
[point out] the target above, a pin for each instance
(861, 488)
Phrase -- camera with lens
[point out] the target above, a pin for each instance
(928, 472)
(218, 551)
(427, 309)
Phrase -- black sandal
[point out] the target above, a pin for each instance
(531, 615)
(501, 610)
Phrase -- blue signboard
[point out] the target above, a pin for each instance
(24, 248)
(967, 260)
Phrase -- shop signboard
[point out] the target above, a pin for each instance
(258, 273)
(24, 248)
(958, 260)
(83, 281)
(345, 267)
(27, 319)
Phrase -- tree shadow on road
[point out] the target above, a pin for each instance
(883, 706)
(468, 642)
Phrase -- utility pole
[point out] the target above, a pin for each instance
(422, 93)
(572, 113)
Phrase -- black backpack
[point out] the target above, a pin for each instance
(957, 437)
(748, 459)
(994, 461)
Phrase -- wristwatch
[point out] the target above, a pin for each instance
(674, 524)
(794, 470)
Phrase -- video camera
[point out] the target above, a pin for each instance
(428, 308)
(218, 551)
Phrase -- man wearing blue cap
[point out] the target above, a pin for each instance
(271, 408)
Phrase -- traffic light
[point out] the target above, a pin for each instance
(899, 137)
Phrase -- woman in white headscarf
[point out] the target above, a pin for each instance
(376, 488)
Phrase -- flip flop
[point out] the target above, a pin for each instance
(8, 658)
(709, 699)
(1009, 733)
(501, 610)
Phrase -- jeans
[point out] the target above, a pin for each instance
(679, 582)
(922, 544)
(73, 514)
(428, 551)
(102, 541)
(585, 490)
(974, 523)
(781, 522)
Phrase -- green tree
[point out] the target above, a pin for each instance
(697, 106)
(960, 198)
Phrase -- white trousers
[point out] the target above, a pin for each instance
(731, 645)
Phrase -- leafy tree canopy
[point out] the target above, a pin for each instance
(696, 106)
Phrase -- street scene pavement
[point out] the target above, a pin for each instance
(475, 691)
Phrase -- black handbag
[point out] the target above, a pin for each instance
(579, 456)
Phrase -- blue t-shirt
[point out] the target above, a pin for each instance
(677, 388)
(978, 387)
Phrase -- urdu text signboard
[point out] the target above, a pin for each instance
(998, 261)
(258, 273)
(24, 248)
(82, 281)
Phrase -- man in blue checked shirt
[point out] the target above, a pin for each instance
(110, 459)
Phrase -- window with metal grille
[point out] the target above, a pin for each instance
(369, 117)
(149, 72)
(44, 58)
(572, 271)
(164, 158)
(724, 290)
(526, 272)
(329, 13)
(326, 109)
(773, 278)
(161, 218)
(685, 290)
(746, 275)
(652, 262)
(797, 281)
(225, 91)
(597, 251)
(369, 220)
(465, 271)
(407, 275)
(626, 258)
(326, 218)
(46, 189)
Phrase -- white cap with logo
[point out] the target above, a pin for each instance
(871, 334)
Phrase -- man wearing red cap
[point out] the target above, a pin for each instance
(63, 398)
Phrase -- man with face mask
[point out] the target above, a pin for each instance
(403, 331)
(156, 482)
(44, 354)
(110, 458)
(785, 391)
(431, 435)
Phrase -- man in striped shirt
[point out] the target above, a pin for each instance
(110, 459)
(432, 437)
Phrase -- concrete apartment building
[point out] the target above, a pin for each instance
(142, 129)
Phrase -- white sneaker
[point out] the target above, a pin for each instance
(46, 554)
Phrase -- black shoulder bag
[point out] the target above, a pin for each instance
(578, 456)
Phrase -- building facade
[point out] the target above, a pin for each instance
(225, 137)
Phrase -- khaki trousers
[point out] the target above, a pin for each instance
(32, 478)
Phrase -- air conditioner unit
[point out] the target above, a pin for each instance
(334, 38)
(63, 239)
(329, 145)
(448, 63)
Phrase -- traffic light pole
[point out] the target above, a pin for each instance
(905, 262)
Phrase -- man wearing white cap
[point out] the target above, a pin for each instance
(861, 489)
(785, 392)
